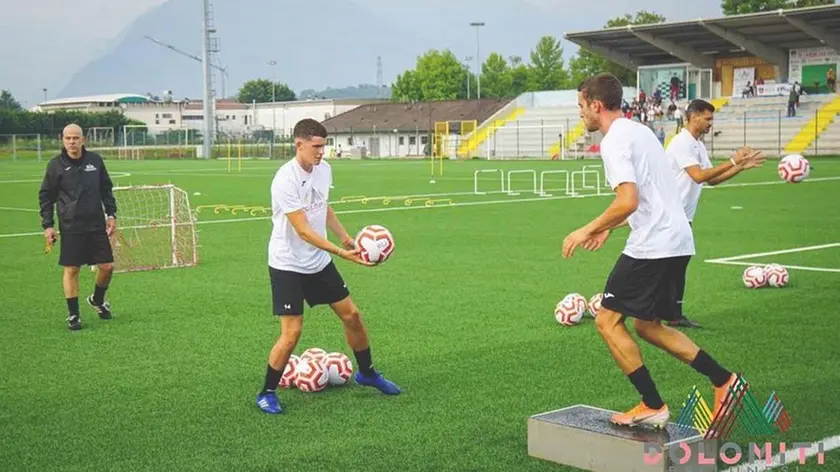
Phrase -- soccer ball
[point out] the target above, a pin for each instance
(754, 277)
(570, 310)
(311, 375)
(794, 168)
(314, 353)
(595, 304)
(339, 368)
(777, 276)
(288, 379)
(376, 242)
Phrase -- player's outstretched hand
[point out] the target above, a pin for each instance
(755, 159)
(597, 241)
(573, 240)
(354, 255)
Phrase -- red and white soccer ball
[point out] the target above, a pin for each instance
(311, 375)
(777, 275)
(314, 353)
(570, 310)
(595, 304)
(794, 168)
(339, 368)
(376, 242)
(289, 372)
(754, 277)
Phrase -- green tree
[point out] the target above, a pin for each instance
(260, 91)
(586, 63)
(8, 102)
(738, 7)
(438, 75)
(547, 70)
(496, 77)
(518, 76)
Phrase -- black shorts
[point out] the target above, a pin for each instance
(289, 289)
(91, 248)
(647, 289)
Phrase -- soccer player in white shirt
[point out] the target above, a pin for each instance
(300, 266)
(693, 169)
(641, 285)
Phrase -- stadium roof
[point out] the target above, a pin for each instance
(389, 116)
(107, 98)
(768, 35)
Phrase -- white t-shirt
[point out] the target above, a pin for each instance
(293, 189)
(686, 151)
(658, 227)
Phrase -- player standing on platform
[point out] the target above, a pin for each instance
(77, 180)
(693, 169)
(300, 266)
(642, 285)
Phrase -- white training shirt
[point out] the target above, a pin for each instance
(658, 228)
(293, 189)
(686, 151)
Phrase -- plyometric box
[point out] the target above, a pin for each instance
(582, 436)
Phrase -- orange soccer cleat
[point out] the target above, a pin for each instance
(642, 414)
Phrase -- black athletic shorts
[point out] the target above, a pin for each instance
(289, 289)
(91, 248)
(647, 289)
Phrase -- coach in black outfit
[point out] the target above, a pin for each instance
(77, 180)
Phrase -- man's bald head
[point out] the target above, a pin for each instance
(73, 139)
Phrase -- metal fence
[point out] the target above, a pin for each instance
(14, 147)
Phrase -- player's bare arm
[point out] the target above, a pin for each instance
(625, 203)
(334, 224)
(747, 158)
(306, 233)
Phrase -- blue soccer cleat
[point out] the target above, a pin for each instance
(378, 381)
(268, 403)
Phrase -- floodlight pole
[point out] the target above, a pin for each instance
(477, 25)
(208, 92)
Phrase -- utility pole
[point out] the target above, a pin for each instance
(477, 25)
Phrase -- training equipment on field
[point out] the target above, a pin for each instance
(754, 277)
(289, 372)
(155, 229)
(570, 309)
(376, 242)
(311, 375)
(587, 178)
(776, 275)
(339, 368)
(583, 437)
(794, 168)
(595, 304)
(314, 353)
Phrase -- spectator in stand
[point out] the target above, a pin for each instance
(831, 80)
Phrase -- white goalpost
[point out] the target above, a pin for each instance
(155, 229)
(526, 141)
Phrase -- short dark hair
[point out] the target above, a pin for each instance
(698, 106)
(604, 87)
(308, 128)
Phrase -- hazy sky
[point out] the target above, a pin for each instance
(45, 41)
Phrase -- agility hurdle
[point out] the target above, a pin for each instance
(487, 171)
(530, 171)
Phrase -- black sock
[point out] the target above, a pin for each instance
(646, 388)
(73, 306)
(364, 362)
(272, 379)
(707, 366)
(99, 294)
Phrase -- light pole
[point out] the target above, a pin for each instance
(477, 25)
(45, 94)
(467, 60)
(273, 110)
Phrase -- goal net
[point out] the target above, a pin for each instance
(160, 141)
(526, 141)
(155, 230)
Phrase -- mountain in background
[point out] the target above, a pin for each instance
(317, 44)
(365, 91)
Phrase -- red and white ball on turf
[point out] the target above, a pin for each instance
(570, 309)
(376, 242)
(777, 276)
(595, 304)
(794, 168)
(339, 368)
(311, 375)
(754, 277)
(289, 372)
(314, 353)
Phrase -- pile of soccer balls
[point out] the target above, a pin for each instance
(376, 243)
(773, 275)
(571, 309)
(315, 369)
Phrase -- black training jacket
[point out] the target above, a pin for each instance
(81, 188)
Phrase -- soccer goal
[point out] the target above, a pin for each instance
(517, 140)
(155, 229)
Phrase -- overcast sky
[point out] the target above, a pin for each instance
(45, 41)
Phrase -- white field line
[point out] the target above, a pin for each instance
(18, 209)
(791, 457)
(748, 263)
(114, 175)
(775, 253)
